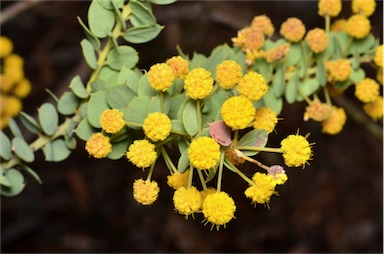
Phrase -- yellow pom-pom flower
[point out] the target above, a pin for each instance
(252, 86)
(22, 88)
(145, 192)
(204, 153)
(263, 189)
(207, 192)
(112, 121)
(228, 74)
(198, 83)
(329, 8)
(179, 65)
(367, 90)
(142, 153)
(335, 122)
(177, 180)
(157, 126)
(11, 105)
(340, 25)
(98, 145)
(218, 208)
(263, 23)
(265, 119)
(14, 74)
(6, 46)
(187, 201)
(249, 39)
(317, 111)
(358, 26)
(161, 77)
(375, 108)
(278, 174)
(293, 29)
(238, 112)
(296, 150)
(378, 58)
(338, 70)
(317, 40)
(364, 7)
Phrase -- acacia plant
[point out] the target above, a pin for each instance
(216, 111)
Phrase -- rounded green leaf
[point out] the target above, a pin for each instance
(190, 118)
(3, 178)
(145, 88)
(100, 19)
(68, 103)
(291, 89)
(5, 147)
(141, 15)
(129, 78)
(294, 54)
(89, 53)
(108, 4)
(136, 111)
(100, 85)
(155, 104)
(275, 104)
(357, 75)
(96, 105)
(119, 149)
(84, 130)
(14, 128)
(178, 127)
(183, 162)
(142, 34)
(29, 122)
(48, 118)
(22, 149)
(16, 180)
(110, 75)
(56, 151)
(308, 87)
(91, 37)
(122, 56)
(78, 87)
(120, 96)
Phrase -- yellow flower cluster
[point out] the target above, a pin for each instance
(317, 111)
(145, 192)
(378, 59)
(262, 190)
(13, 85)
(218, 208)
(265, 119)
(179, 65)
(112, 121)
(296, 150)
(335, 122)
(364, 7)
(238, 112)
(187, 201)
(263, 23)
(177, 180)
(367, 90)
(204, 153)
(228, 74)
(317, 40)
(329, 8)
(338, 70)
(375, 108)
(358, 26)
(252, 86)
(142, 153)
(98, 145)
(157, 126)
(249, 39)
(293, 29)
(161, 77)
(198, 83)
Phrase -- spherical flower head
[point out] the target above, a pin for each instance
(265, 119)
(198, 83)
(6, 46)
(358, 26)
(142, 153)
(178, 180)
(317, 111)
(238, 112)
(145, 192)
(296, 150)
(22, 88)
(329, 8)
(339, 25)
(5, 84)
(11, 105)
(264, 23)
(179, 65)
(13, 61)
(98, 145)
(228, 74)
(13, 74)
(249, 38)
(367, 90)
(364, 7)
(252, 86)
(292, 29)
(112, 121)
(161, 77)
(276, 53)
(335, 122)
(338, 70)
(378, 58)
(187, 201)
(157, 126)
(207, 192)
(218, 208)
(278, 174)
(263, 189)
(317, 40)
(204, 153)
(375, 108)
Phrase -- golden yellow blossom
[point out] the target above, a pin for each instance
(296, 150)
(358, 26)
(252, 86)
(228, 74)
(263, 189)
(198, 83)
(204, 153)
(375, 108)
(11, 105)
(264, 23)
(177, 180)
(378, 58)
(329, 8)
(98, 145)
(238, 112)
(317, 111)
(22, 88)
(367, 90)
(278, 174)
(142, 153)
(6, 46)
(293, 29)
(364, 7)
(249, 38)
(161, 77)
(187, 201)
(179, 65)
(112, 121)
(218, 209)
(265, 119)
(339, 25)
(317, 40)
(335, 122)
(157, 126)
(338, 70)
(145, 192)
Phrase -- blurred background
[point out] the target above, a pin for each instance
(86, 205)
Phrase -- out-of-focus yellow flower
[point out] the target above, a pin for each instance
(364, 7)
(98, 145)
(358, 26)
(317, 40)
(265, 119)
(367, 90)
(338, 70)
(179, 65)
(293, 29)
(317, 111)
(22, 88)
(378, 58)
(335, 122)
(228, 74)
(329, 8)
(263, 23)
(249, 38)
(375, 108)
(6, 46)
(340, 25)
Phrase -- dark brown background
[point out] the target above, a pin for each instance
(86, 205)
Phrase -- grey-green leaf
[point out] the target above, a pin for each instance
(100, 20)
(183, 162)
(142, 34)
(16, 180)
(96, 105)
(190, 118)
(56, 151)
(68, 103)
(89, 53)
(84, 130)
(136, 111)
(23, 150)
(120, 96)
(122, 56)
(29, 122)
(32, 173)
(78, 87)
(5, 147)
(142, 16)
(48, 118)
